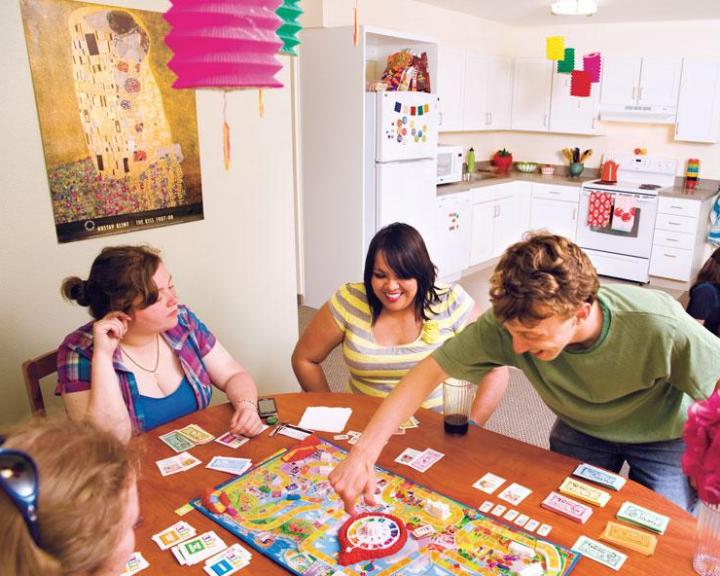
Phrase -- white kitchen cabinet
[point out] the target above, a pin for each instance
(572, 114)
(679, 240)
(451, 88)
(698, 110)
(476, 90)
(554, 208)
(500, 216)
(532, 83)
(499, 93)
(453, 234)
(640, 89)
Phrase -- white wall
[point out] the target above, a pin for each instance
(235, 268)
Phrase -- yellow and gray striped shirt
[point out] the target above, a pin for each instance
(376, 369)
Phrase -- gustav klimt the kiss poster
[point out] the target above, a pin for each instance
(121, 146)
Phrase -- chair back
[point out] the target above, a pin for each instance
(35, 370)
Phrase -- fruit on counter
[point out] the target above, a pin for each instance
(502, 159)
(640, 151)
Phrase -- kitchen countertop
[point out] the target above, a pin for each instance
(481, 179)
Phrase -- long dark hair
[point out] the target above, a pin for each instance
(120, 279)
(710, 272)
(405, 252)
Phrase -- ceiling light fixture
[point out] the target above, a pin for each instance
(574, 7)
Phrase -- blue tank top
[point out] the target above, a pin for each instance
(158, 411)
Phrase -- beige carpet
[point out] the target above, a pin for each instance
(521, 414)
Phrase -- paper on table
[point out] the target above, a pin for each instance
(324, 419)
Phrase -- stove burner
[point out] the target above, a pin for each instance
(649, 186)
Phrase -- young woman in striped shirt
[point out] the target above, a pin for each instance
(389, 322)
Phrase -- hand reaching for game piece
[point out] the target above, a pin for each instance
(246, 421)
(353, 477)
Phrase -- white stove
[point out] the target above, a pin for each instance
(616, 221)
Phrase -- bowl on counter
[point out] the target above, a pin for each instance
(527, 167)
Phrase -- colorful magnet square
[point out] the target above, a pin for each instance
(398, 107)
(593, 64)
(580, 83)
(555, 47)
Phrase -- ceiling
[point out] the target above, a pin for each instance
(537, 12)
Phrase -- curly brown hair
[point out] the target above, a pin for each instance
(120, 279)
(542, 276)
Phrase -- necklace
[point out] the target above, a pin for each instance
(152, 371)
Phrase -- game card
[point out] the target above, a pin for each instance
(599, 552)
(177, 463)
(175, 534)
(425, 459)
(407, 456)
(228, 561)
(231, 440)
(228, 464)
(195, 434)
(177, 441)
(489, 483)
(486, 506)
(135, 563)
(198, 549)
(515, 493)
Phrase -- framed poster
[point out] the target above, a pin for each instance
(121, 146)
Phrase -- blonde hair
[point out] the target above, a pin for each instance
(542, 276)
(83, 474)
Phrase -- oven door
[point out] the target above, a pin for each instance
(633, 239)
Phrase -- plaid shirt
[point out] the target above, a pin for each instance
(190, 339)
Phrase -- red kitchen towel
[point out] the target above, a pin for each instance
(624, 213)
(599, 209)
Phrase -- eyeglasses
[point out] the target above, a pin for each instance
(19, 480)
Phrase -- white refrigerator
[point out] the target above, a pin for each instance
(400, 162)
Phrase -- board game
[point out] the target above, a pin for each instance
(289, 512)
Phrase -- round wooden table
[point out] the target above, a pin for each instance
(466, 459)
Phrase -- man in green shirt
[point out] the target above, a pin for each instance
(619, 365)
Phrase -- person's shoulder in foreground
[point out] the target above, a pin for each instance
(68, 502)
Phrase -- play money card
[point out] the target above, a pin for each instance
(599, 552)
(643, 517)
(177, 441)
(195, 434)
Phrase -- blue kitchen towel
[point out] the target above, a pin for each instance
(714, 232)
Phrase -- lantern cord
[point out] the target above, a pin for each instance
(226, 134)
(261, 106)
(355, 24)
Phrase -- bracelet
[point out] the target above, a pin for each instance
(254, 404)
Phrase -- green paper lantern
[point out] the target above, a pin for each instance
(289, 13)
(567, 64)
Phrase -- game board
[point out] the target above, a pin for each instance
(289, 512)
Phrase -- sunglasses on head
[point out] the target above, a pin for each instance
(19, 480)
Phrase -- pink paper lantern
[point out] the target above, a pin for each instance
(593, 63)
(580, 83)
(224, 43)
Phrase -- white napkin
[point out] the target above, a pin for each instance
(324, 419)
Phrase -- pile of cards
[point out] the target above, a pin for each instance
(228, 561)
(567, 507)
(585, 492)
(178, 463)
(231, 440)
(135, 564)
(419, 460)
(411, 422)
(643, 517)
(599, 552)
(186, 438)
(174, 535)
(198, 548)
(512, 515)
(599, 476)
(229, 464)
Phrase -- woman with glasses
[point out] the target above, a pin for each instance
(68, 500)
(391, 321)
(145, 359)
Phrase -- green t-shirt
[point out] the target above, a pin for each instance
(634, 384)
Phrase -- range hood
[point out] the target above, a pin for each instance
(635, 113)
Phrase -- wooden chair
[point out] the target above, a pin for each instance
(34, 370)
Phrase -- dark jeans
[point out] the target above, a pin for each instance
(652, 464)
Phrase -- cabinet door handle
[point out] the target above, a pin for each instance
(672, 239)
(678, 207)
(640, 90)
(545, 119)
(674, 223)
(677, 128)
(669, 255)
(634, 93)
(593, 122)
(574, 214)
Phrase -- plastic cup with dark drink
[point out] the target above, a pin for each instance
(457, 400)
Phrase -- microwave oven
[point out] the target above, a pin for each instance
(449, 164)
